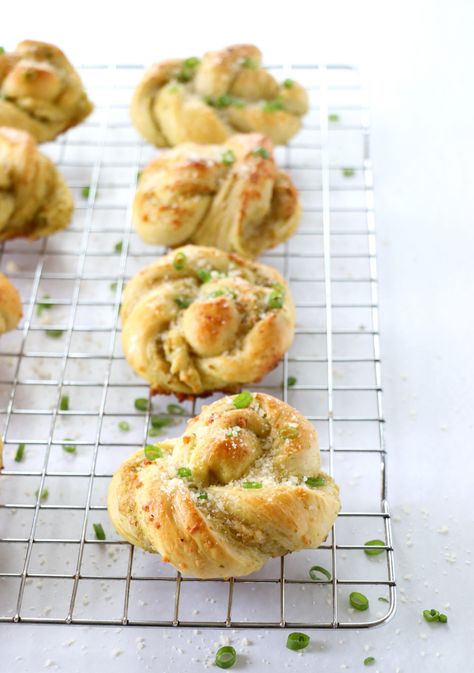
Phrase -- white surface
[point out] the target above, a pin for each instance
(418, 58)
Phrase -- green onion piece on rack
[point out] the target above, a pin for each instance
(297, 641)
(64, 403)
(160, 421)
(118, 247)
(175, 409)
(374, 543)
(85, 191)
(44, 305)
(141, 404)
(348, 172)
(20, 453)
(288, 83)
(368, 661)
(316, 571)
(44, 494)
(54, 333)
(99, 531)
(333, 117)
(69, 448)
(382, 599)
(226, 657)
(291, 381)
(124, 426)
(443, 618)
(358, 601)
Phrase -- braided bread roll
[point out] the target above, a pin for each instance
(232, 196)
(40, 91)
(10, 305)
(208, 101)
(34, 198)
(199, 320)
(240, 486)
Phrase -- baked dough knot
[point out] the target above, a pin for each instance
(231, 196)
(40, 91)
(208, 100)
(10, 305)
(200, 320)
(240, 486)
(34, 198)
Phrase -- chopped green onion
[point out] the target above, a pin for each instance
(85, 191)
(160, 421)
(69, 448)
(288, 432)
(315, 482)
(124, 426)
(224, 101)
(173, 88)
(183, 302)
(316, 571)
(184, 472)
(20, 453)
(291, 381)
(273, 105)
(252, 484)
(333, 117)
(228, 157)
(243, 400)
(141, 404)
(179, 261)
(431, 615)
(55, 333)
(382, 599)
(43, 306)
(275, 299)
(175, 410)
(118, 247)
(113, 286)
(204, 275)
(348, 172)
(217, 293)
(288, 83)
(155, 432)
(374, 543)
(192, 62)
(368, 661)
(152, 452)
(64, 403)
(248, 62)
(2, 50)
(99, 531)
(358, 601)
(139, 175)
(226, 657)
(261, 152)
(44, 493)
(443, 618)
(297, 641)
(203, 496)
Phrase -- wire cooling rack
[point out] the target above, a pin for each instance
(53, 569)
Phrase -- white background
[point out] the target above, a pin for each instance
(418, 59)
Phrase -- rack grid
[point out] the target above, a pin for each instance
(52, 567)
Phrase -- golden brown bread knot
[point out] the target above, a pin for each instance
(207, 101)
(231, 196)
(34, 198)
(40, 91)
(240, 486)
(10, 305)
(200, 320)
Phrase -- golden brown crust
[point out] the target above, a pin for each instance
(34, 198)
(210, 523)
(215, 322)
(10, 305)
(40, 91)
(232, 196)
(207, 101)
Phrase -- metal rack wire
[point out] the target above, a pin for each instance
(52, 567)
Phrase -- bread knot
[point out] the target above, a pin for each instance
(40, 91)
(241, 485)
(206, 101)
